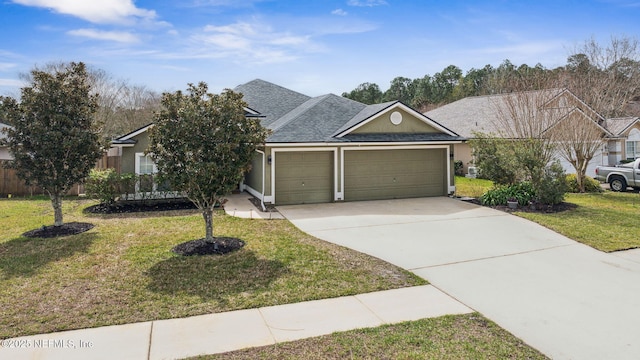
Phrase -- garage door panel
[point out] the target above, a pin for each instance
(304, 177)
(388, 174)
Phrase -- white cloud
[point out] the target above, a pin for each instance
(97, 11)
(118, 36)
(11, 83)
(525, 49)
(368, 3)
(4, 66)
(255, 42)
(339, 12)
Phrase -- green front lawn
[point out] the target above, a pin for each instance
(449, 337)
(474, 188)
(606, 221)
(123, 270)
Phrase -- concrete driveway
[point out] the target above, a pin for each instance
(565, 299)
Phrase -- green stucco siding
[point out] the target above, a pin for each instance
(391, 174)
(254, 177)
(383, 124)
(128, 163)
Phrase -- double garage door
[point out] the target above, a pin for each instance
(308, 177)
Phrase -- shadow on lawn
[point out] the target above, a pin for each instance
(24, 256)
(214, 277)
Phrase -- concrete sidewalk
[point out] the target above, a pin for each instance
(563, 298)
(223, 332)
(239, 205)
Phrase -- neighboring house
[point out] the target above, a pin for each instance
(627, 132)
(621, 137)
(329, 148)
(4, 149)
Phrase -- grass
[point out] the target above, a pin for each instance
(472, 187)
(468, 336)
(605, 221)
(123, 270)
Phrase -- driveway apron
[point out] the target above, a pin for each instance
(565, 299)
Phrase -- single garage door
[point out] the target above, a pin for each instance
(394, 174)
(304, 177)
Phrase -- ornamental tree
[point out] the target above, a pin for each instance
(203, 144)
(54, 140)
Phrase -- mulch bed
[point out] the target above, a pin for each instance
(258, 205)
(225, 245)
(545, 209)
(141, 206)
(71, 228)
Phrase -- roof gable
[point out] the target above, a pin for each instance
(382, 118)
(124, 138)
(620, 126)
(573, 118)
(483, 113)
(315, 120)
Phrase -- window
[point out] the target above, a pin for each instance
(633, 145)
(633, 150)
(146, 165)
(145, 168)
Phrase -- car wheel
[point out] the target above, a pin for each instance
(618, 184)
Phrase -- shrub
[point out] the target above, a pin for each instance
(102, 185)
(523, 193)
(458, 168)
(553, 185)
(494, 159)
(590, 184)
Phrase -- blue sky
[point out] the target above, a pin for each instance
(314, 47)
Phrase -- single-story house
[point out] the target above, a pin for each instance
(330, 148)
(620, 137)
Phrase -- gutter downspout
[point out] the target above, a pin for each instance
(264, 167)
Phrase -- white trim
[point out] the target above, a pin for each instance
(137, 171)
(420, 116)
(380, 143)
(632, 124)
(252, 191)
(274, 152)
(250, 110)
(135, 133)
(122, 145)
(264, 171)
(450, 186)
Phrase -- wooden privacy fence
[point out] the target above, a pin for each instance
(11, 184)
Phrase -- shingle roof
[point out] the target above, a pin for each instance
(471, 114)
(296, 118)
(271, 100)
(619, 125)
(316, 120)
(481, 113)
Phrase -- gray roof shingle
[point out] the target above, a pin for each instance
(481, 113)
(316, 120)
(271, 100)
(619, 125)
(296, 118)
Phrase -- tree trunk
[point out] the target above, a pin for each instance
(207, 213)
(56, 202)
